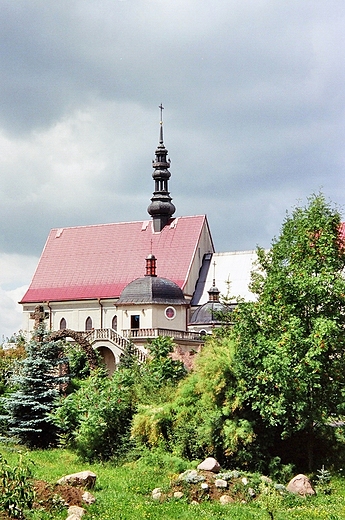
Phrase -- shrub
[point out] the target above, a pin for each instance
(95, 420)
(16, 489)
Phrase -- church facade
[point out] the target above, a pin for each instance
(127, 281)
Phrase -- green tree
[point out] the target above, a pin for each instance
(290, 342)
(38, 384)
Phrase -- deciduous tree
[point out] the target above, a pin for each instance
(290, 342)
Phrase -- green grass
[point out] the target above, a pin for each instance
(124, 493)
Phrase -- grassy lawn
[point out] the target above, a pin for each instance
(124, 493)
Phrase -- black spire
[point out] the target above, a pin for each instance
(161, 208)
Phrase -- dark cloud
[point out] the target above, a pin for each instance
(254, 119)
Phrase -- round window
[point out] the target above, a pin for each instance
(170, 313)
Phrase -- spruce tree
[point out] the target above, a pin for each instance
(39, 383)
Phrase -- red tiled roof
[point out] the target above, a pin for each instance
(98, 261)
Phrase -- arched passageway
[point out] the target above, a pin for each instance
(108, 358)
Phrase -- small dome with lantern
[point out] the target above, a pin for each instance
(152, 289)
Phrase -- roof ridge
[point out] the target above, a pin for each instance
(119, 223)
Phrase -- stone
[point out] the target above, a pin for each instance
(300, 485)
(225, 499)
(244, 481)
(88, 498)
(156, 494)
(220, 483)
(178, 494)
(209, 464)
(76, 511)
(85, 479)
(251, 492)
(204, 486)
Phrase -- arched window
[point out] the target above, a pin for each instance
(114, 323)
(63, 324)
(88, 324)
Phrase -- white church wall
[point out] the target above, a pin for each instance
(161, 317)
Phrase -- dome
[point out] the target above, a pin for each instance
(205, 314)
(152, 289)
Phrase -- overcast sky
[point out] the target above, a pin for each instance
(254, 117)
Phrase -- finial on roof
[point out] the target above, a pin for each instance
(161, 208)
(213, 293)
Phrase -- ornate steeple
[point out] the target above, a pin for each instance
(161, 208)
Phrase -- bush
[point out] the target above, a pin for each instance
(95, 420)
(16, 489)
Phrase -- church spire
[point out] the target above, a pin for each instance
(161, 208)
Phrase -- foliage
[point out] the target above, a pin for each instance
(160, 368)
(270, 499)
(290, 342)
(201, 417)
(16, 489)
(324, 478)
(206, 410)
(156, 379)
(77, 360)
(38, 384)
(95, 420)
(9, 358)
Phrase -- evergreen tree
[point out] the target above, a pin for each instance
(38, 384)
(290, 342)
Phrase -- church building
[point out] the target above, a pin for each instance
(128, 281)
(115, 285)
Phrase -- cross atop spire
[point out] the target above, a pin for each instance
(162, 108)
(161, 123)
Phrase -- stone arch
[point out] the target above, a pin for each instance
(79, 337)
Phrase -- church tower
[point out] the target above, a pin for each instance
(161, 208)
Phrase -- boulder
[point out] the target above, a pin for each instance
(88, 498)
(85, 479)
(75, 512)
(156, 494)
(300, 485)
(251, 492)
(209, 464)
(220, 483)
(225, 499)
(178, 494)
